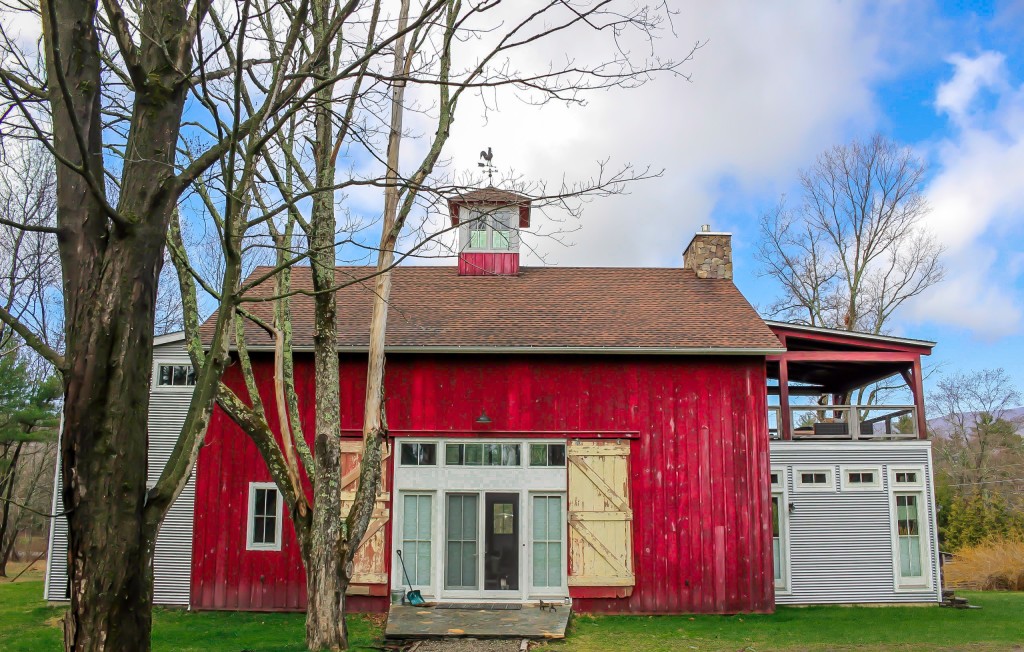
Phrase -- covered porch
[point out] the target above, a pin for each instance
(817, 378)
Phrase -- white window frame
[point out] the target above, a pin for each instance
(782, 585)
(438, 451)
(400, 538)
(846, 485)
(250, 515)
(156, 386)
(907, 486)
(828, 488)
(443, 452)
(487, 217)
(547, 445)
(527, 566)
(924, 516)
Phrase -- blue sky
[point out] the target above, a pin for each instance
(776, 84)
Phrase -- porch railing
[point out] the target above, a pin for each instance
(846, 422)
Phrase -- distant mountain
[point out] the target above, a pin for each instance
(941, 426)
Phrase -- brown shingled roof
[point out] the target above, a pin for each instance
(547, 307)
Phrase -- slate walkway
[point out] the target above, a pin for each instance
(407, 622)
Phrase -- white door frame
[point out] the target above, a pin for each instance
(440, 480)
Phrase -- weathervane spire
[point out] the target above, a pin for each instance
(486, 157)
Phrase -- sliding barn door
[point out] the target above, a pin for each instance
(600, 519)
(369, 566)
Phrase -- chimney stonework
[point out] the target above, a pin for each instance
(709, 255)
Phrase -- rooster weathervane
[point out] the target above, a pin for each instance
(487, 164)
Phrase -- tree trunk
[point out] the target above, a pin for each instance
(110, 267)
(325, 574)
(7, 491)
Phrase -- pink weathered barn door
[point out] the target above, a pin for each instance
(369, 572)
(600, 519)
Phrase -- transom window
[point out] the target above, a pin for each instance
(547, 454)
(264, 528)
(862, 479)
(491, 232)
(907, 478)
(482, 455)
(176, 375)
(417, 454)
(813, 480)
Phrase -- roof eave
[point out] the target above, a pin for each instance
(552, 350)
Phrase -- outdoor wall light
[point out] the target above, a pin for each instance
(483, 419)
(792, 507)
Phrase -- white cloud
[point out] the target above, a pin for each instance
(976, 199)
(971, 75)
(770, 90)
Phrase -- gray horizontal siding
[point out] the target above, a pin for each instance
(840, 547)
(173, 557)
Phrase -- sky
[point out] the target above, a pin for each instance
(774, 85)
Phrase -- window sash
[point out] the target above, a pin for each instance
(547, 534)
(417, 519)
(264, 518)
(909, 538)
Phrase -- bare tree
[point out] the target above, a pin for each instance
(979, 449)
(853, 250)
(360, 103)
(106, 97)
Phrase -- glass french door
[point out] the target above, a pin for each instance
(461, 542)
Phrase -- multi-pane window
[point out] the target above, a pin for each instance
(417, 512)
(264, 517)
(416, 454)
(175, 375)
(461, 542)
(547, 454)
(491, 232)
(547, 541)
(908, 529)
(861, 479)
(482, 455)
(906, 477)
(813, 480)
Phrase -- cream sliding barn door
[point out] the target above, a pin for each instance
(368, 567)
(600, 517)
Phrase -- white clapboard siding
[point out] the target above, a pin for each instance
(173, 558)
(840, 543)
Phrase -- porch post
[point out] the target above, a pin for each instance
(786, 415)
(918, 388)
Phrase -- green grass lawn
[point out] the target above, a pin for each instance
(28, 625)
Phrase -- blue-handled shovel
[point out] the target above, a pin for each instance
(414, 597)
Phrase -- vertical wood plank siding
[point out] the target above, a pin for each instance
(841, 542)
(173, 557)
(699, 468)
(486, 263)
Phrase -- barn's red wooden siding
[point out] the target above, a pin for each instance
(484, 263)
(699, 467)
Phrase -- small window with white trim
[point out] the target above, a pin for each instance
(547, 454)
(175, 375)
(418, 454)
(811, 480)
(264, 528)
(861, 479)
(907, 477)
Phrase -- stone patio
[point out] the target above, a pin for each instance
(407, 622)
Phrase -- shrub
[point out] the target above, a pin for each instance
(994, 565)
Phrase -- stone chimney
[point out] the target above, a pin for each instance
(709, 254)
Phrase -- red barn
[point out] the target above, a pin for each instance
(609, 435)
